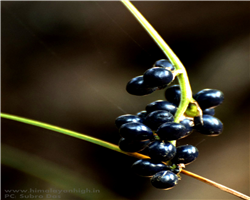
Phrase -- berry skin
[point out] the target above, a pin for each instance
(127, 118)
(157, 118)
(132, 145)
(209, 98)
(142, 114)
(209, 111)
(137, 86)
(172, 131)
(211, 125)
(158, 77)
(161, 151)
(164, 180)
(147, 167)
(188, 124)
(164, 63)
(161, 105)
(136, 131)
(185, 154)
(173, 94)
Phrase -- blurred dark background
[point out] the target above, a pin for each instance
(67, 64)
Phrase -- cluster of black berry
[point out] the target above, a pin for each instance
(157, 77)
(152, 130)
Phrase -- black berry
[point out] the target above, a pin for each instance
(161, 105)
(161, 151)
(136, 86)
(185, 154)
(157, 118)
(173, 94)
(172, 131)
(188, 124)
(164, 63)
(123, 119)
(142, 114)
(132, 145)
(136, 131)
(164, 180)
(158, 77)
(209, 98)
(211, 125)
(209, 111)
(148, 167)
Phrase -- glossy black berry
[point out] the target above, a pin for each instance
(162, 87)
(189, 124)
(161, 151)
(137, 86)
(136, 131)
(132, 145)
(209, 111)
(123, 119)
(142, 114)
(211, 125)
(148, 167)
(164, 180)
(209, 98)
(158, 77)
(173, 94)
(185, 154)
(157, 118)
(161, 105)
(164, 63)
(172, 131)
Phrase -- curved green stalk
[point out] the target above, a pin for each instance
(186, 92)
(70, 133)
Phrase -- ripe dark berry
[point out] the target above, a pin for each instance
(148, 168)
(132, 145)
(161, 151)
(209, 111)
(158, 77)
(136, 131)
(188, 124)
(209, 98)
(185, 154)
(136, 86)
(157, 118)
(164, 63)
(164, 180)
(172, 131)
(123, 119)
(211, 125)
(173, 94)
(142, 114)
(161, 105)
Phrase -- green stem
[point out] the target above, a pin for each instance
(186, 92)
(71, 133)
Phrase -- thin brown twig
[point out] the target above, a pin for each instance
(221, 187)
(200, 178)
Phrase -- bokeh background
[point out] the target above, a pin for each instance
(67, 64)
